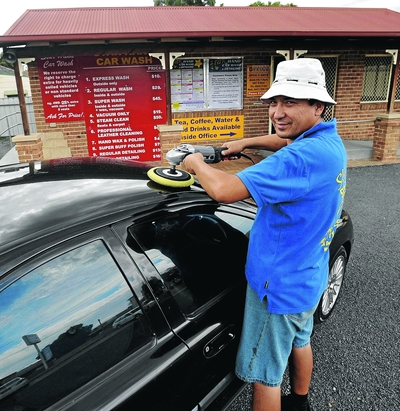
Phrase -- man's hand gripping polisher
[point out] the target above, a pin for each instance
(173, 177)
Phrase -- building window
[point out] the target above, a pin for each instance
(376, 78)
(397, 94)
(330, 65)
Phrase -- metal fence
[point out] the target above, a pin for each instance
(10, 117)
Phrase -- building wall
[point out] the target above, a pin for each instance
(355, 119)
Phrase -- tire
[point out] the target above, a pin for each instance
(337, 270)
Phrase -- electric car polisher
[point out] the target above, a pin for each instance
(174, 177)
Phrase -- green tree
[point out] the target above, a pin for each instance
(272, 4)
(184, 2)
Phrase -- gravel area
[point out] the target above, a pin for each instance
(356, 352)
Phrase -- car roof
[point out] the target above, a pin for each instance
(41, 198)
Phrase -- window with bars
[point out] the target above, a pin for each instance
(377, 73)
(397, 94)
(330, 66)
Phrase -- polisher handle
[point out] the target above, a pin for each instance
(210, 154)
(223, 157)
(213, 155)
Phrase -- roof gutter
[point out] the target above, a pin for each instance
(153, 36)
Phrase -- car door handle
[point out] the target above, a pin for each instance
(218, 343)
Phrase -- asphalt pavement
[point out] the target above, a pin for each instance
(357, 351)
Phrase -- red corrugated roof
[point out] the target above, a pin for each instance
(155, 22)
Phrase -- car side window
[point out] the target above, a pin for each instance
(198, 255)
(63, 323)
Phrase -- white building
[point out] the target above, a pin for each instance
(8, 86)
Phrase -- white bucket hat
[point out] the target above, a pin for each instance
(302, 78)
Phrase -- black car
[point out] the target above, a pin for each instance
(113, 290)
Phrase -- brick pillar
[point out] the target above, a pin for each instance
(29, 148)
(170, 137)
(386, 137)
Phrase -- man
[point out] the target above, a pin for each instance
(299, 192)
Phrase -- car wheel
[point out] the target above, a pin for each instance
(337, 269)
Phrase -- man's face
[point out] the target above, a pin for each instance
(292, 117)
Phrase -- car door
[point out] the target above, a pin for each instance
(198, 255)
(80, 330)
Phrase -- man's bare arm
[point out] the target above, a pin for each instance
(219, 185)
(269, 142)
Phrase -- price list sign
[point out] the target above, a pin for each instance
(187, 85)
(123, 106)
(121, 98)
(124, 102)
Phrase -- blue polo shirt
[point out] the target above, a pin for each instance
(299, 191)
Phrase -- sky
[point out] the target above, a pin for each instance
(16, 8)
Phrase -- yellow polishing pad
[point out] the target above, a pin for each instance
(166, 176)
